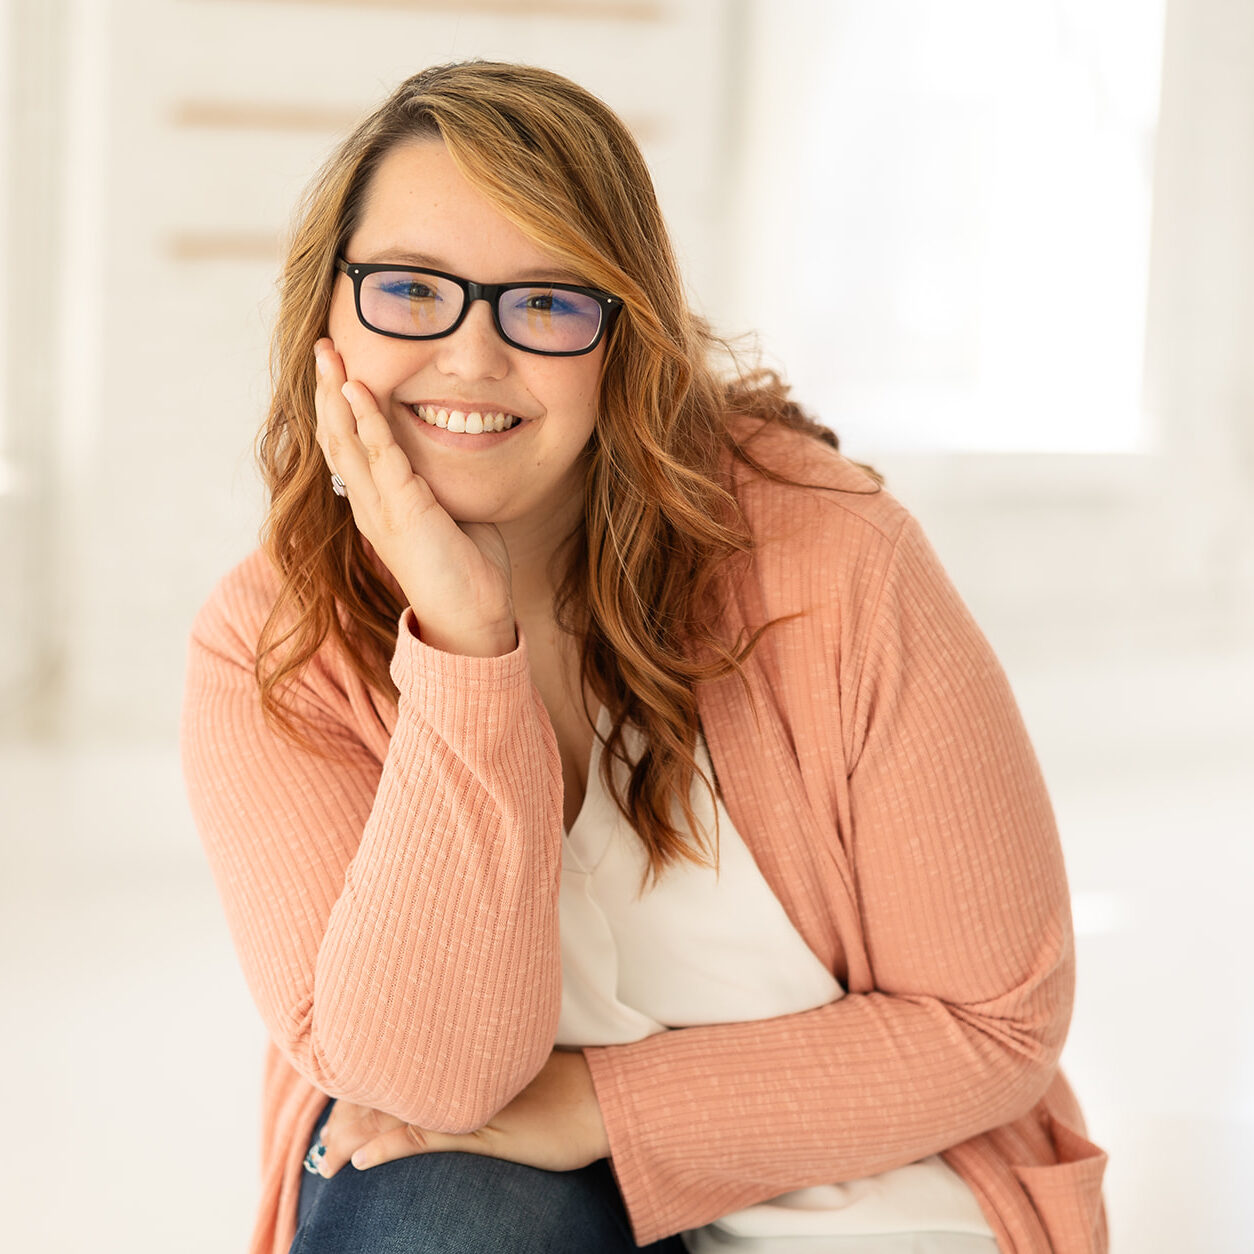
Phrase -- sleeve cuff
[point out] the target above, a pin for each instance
(614, 1098)
(416, 662)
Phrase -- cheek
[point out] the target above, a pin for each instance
(592, 378)
(578, 388)
(381, 364)
(342, 324)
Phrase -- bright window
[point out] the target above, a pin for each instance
(945, 231)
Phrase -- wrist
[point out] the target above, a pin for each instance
(477, 641)
(590, 1107)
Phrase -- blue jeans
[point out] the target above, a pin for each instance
(453, 1203)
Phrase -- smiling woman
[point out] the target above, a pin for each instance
(601, 776)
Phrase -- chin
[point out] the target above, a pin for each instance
(465, 507)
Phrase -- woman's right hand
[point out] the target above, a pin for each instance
(456, 576)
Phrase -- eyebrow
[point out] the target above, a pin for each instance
(403, 256)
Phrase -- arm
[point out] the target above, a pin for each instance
(396, 920)
(964, 916)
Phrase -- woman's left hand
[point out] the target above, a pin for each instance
(554, 1123)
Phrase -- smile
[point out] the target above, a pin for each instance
(472, 423)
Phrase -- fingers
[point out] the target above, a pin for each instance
(387, 462)
(336, 427)
(352, 439)
(407, 1140)
(356, 440)
(402, 1142)
(365, 1138)
(330, 379)
(346, 1130)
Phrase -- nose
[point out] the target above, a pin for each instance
(474, 350)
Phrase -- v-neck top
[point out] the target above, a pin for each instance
(701, 947)
(694, 948)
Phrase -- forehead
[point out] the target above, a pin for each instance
(419, 205)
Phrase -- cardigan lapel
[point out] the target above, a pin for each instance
(761, 781)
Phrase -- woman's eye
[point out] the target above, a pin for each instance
(409, 289)
(545, 302)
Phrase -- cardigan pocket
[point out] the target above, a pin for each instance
(1067, 1194)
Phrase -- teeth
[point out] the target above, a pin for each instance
(473, 423)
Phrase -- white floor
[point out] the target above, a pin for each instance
(132, 1053)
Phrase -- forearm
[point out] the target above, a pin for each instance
(449, 912)
(397, 924)
(704, 1121)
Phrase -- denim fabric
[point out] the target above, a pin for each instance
(452, 1203)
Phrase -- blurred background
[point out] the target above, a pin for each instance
(1005, 250)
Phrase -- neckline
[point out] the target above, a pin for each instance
(592, 780)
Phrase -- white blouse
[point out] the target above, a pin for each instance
(699, 947)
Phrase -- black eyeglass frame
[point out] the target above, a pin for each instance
(491, 292)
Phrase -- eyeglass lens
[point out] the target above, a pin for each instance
(402, 302)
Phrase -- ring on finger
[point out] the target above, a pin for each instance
(337, 486)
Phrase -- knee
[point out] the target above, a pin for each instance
(458, 1203)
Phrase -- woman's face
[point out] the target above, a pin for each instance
(419, 210)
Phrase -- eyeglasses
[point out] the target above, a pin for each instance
(553, 319)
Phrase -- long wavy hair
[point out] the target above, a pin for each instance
(639, 586)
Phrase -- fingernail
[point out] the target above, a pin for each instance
(360, 1160)
(344, 390)
(318, 362)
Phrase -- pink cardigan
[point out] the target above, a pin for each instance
(396, 913)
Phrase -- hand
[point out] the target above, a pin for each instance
(554, 1123)
(456, 576)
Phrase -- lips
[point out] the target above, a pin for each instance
(469, 422)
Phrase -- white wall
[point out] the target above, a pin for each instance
(31, 126)
(946, 210)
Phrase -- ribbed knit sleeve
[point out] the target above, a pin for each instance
(962, 902)
(394, 909)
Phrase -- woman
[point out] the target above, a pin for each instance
(551, 626)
